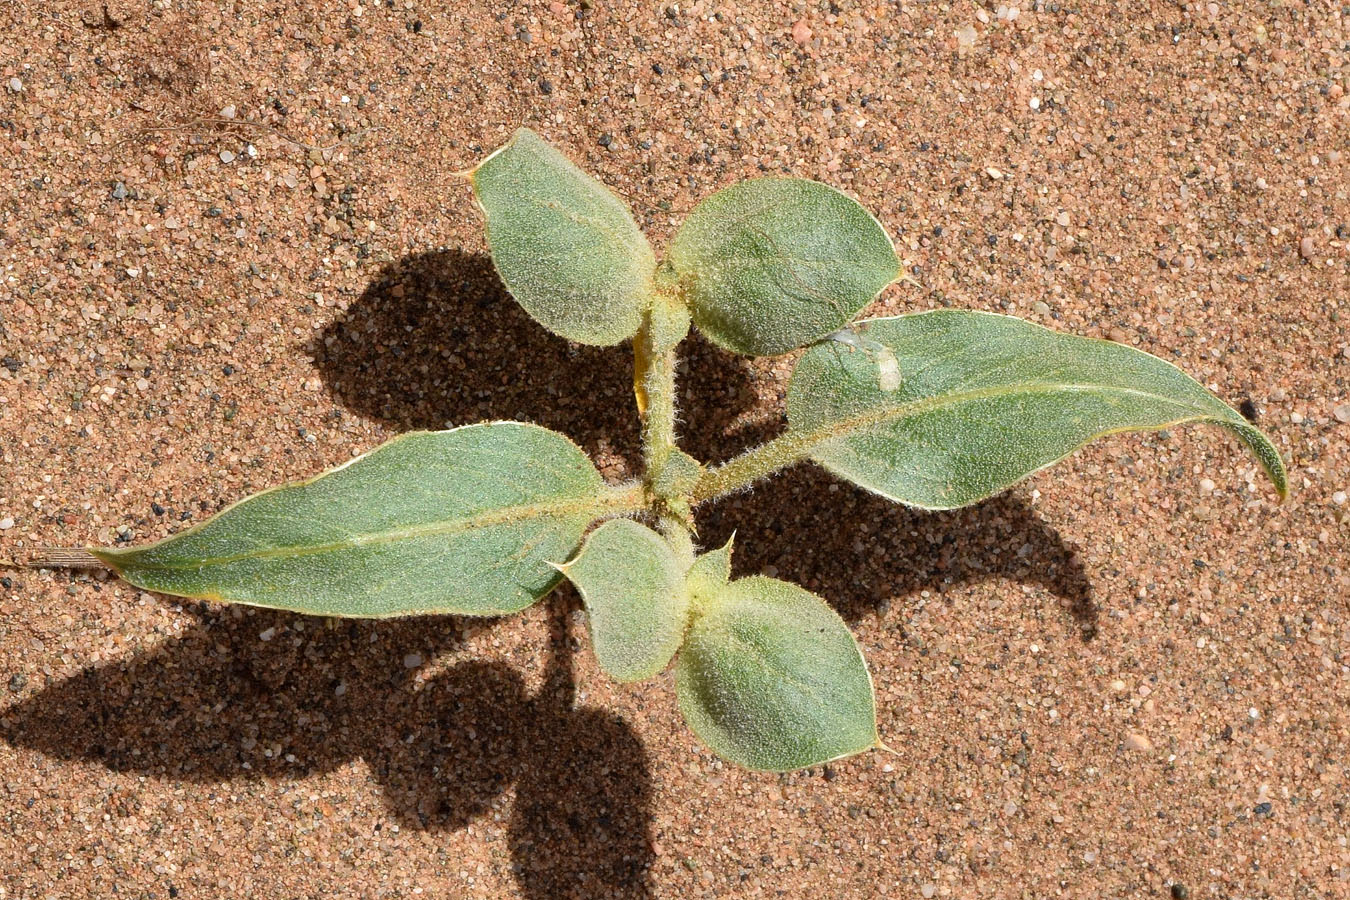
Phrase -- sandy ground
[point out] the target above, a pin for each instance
(233, 251)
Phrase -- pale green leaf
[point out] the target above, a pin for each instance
(711, 571)
(633, 587)
(462, 521)
(976, 402)
(772, 264)
(567, 249)
(771, 679)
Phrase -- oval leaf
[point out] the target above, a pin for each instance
(461, 521)
(970, 403)
(633, 587)
(771, 679)
(567, 249)
(772, 264)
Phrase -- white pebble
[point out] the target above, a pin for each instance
(226, 156)
(1206, 485)
(1296, 418)
(1338, 498)
(228, 112)
(1034, 102)
(267, 635)
(412, 660)
(6, 523)
(1342, 413)
(928, 890)
(15, 85)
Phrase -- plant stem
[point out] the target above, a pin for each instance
(654, 385)
(751, 466)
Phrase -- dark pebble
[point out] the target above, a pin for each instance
(17, 682)
(545, 86)
(1262, 809)
(215, 212)
(227, 369)
(12, 363)
(606, 139)
(119, 191)
(417, 27)
(1180, 892)
(156, 508)
(992, 240)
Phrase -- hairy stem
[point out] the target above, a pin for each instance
(654, 385)
(743, 471)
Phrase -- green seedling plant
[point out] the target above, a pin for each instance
(935, 410)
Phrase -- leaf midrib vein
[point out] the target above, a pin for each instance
(486, 519)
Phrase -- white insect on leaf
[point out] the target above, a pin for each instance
(888, 367)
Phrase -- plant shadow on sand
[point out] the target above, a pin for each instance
(436, 340)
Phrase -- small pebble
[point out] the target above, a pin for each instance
(267, 635)
(119, 191)
(1296, 418)
(1138, 742)
(226, 156)
(801, 32)
(928, 890)
(6, 523)
(1338, 498)
(15, 85)
(1342, 412)
(1306, 247)
(1206, 485)
(1180, 892)
(412, 660)
(17, 682)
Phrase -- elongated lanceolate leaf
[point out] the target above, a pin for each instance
(981, 401)
(633, 587)
(772, 264)
(461, 521)
(567, 249)
(771, 679)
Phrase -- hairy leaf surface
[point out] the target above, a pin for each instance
(567, 249)
(461, 521)
(637, 607)
(771, 679)
(772, 264)
(983, 401)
